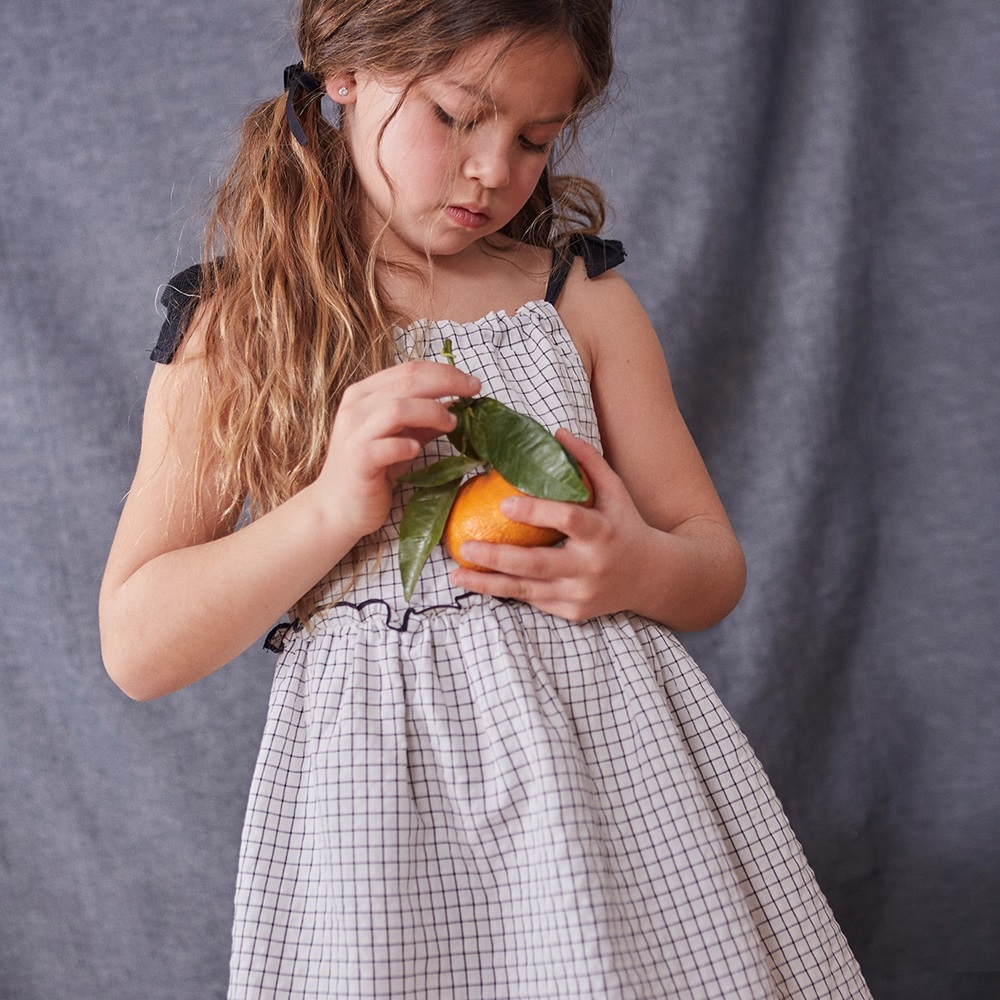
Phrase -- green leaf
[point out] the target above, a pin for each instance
(423, 522)
(447, 470)
(523, 451)
(461, 436)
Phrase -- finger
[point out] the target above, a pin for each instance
(385, 453)
(524, 561)
(569, 518)
(427, 379)
(389, 417)
(547, 595)
(434, 379)
(499, 585)
(602, 476)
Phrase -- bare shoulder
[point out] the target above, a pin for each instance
(175, 399)
(605, 318)
(643, 435)
(159, 512)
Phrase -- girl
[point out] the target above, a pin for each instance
(517, 785)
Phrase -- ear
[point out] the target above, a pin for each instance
(341, 88)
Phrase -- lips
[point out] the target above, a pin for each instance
(468, 216)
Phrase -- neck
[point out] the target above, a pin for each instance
(465, 287)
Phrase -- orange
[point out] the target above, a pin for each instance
(475, 517)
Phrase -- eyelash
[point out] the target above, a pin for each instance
(453, 123)
(447, 119)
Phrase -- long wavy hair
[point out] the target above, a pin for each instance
(291, 287)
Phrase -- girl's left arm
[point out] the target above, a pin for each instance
(657, 541)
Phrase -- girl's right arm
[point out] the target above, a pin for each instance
(181, 596)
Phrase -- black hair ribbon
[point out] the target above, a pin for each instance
(296, 78)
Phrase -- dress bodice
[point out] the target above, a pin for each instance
(528, 361)
(525, 359)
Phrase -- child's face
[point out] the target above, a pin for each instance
(466, 147)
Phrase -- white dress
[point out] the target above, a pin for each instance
(463, 797)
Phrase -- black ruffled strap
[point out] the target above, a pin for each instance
(183, 290)
(180, 297)
(599, 255)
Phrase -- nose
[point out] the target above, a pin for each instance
(488, 163)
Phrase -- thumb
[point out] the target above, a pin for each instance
(602, 477)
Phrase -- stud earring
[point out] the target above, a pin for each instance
(343, 91)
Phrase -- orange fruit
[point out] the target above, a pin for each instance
(475, 517)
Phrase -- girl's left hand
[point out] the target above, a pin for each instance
(592, 573)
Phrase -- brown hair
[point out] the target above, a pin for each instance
(294, 315)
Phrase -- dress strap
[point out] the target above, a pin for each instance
(599, 255)
(182, 291)
(180, 297)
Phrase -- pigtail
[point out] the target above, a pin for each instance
(293, 313)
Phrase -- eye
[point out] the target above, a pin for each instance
(535, 147)
(452, 123)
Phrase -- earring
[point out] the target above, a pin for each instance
(343, 91)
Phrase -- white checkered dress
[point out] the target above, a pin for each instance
(467, 798)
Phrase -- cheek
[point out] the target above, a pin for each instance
(525, 175)
(412, 152)
(363, 143)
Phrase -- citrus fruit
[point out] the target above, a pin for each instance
(476, 517)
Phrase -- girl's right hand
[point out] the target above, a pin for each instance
(380, 427)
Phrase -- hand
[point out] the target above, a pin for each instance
(381, 425)
(591, 573)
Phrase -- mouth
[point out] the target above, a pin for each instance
(468, 216)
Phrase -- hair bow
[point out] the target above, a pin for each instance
(296, 78)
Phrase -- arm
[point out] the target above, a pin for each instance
(182, 596)
(657, 541)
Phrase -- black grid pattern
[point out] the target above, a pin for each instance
(477, 800)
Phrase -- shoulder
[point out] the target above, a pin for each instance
(181, 296)
(595, 255)
(602, 313)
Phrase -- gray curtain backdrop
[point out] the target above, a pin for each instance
(809, 195)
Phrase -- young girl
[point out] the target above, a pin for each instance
(517, 784)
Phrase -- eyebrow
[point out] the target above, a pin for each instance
(486, 98)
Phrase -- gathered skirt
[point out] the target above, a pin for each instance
(487, 802)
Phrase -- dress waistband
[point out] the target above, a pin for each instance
(375, 612)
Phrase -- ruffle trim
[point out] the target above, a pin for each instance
(278, 637)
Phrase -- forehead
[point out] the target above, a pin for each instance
(538, 77)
